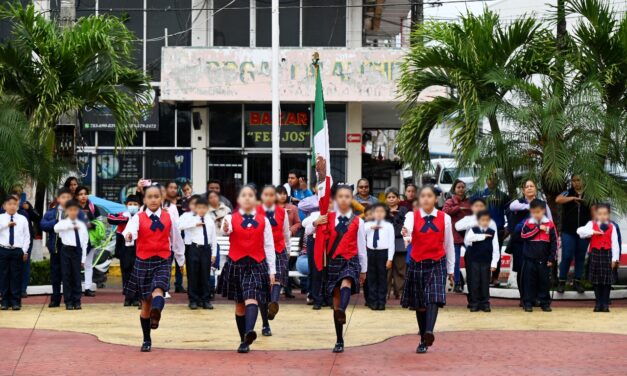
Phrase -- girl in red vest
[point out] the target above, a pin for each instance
(250, 265)
(280, 224)
(432, 257)
(604, 254)
(155, 236)
(347, 260)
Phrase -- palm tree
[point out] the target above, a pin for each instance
(459, 58)
(48, 71)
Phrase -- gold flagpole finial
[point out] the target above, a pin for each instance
(315, 58)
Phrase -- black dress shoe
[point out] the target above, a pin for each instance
(207, 305)
(528, 309)
(16, 307)
(24, 295)
(339, 347)
(266, 331)
(381, 307)
(180, 290)
(69, 307)
(89, 293)
(605, 309)
(547, 309)
(422, 348)
(340, 316)
(243, 348)
(289, 295)
(316, 307)
(474, 309)
(273, 309)
(54, 304)
(135, 303)
(596, 309)
(486, 309)
(77, 306)
(146, 346)
(579, 287)
(429, 338)
(561, 287)
(4, 307)
(250, 337)
(193, 305)
(127, 303)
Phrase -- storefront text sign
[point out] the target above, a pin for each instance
(294, 128)
(353, 137)
(244, 74)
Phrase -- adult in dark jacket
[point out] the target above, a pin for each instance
(457, 207)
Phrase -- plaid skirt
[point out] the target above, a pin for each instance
(340, 268)
(425, 282)
(600, 267)
(283, 268)
(148, 275)
(245, 279)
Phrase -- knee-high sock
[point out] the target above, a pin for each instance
(241, 326)
(345, 297)
(275, 293)
(263, 309)
(597, 295)
(251, 316)
(339, 329)
(607, 289)
(431, 315)
(145, 328)
(420, 317)
(158, 302)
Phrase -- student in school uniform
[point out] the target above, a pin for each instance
(347, 257)
(278, 218)
(169, 195)
(52, 216)
(191, 203)
(14, 245)
(200, 231)
(432, 258)
(539, 255)
(250, 267)
(604, 255)
(482, 248)
(91, 213)
(74, 242)
(156, 237)
(125, 251)
(380, 242)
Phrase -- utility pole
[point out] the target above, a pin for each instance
(276, 108)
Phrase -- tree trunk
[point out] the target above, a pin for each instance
(508, 173)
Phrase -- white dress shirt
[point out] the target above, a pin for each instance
(65, 229)
(268, 239)
(387, 240)
(286, 226)
(448, 235)
(176, 241)
(470, 221)
(193, 232)
(587, 231)
(185, 217)
(308, 223)
(471, 237)
(21, 235)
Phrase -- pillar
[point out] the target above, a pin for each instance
(200, 138)
(354, 125)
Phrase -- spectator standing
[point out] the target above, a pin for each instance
(396, 216)
(91, 212)
(575, 214)
(71, 183)
(216, 186)
(295, 191)
(410, 196)
(363, 195)
(217, 210)
(457, 207)
(291, 209)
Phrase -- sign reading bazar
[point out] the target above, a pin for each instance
(244, 74)
(294, 130)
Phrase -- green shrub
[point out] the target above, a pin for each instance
(39, 273)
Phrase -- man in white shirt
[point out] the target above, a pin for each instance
(14, 244)
(380, 242)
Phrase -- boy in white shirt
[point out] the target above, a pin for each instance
(14, 244)
(200, 232)
(380, 243)
(74, 240)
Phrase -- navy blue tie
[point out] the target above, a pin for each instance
(341, 224)
(248, 221)
(604, 227)
(429, 224)
(77, 238)
(375, 237)
(204, 231)
(11, 234)
(270, 216)
(156, 223)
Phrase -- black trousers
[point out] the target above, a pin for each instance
(198, 264)
(536, 278)
(479, 283)
(501, 235)
(468, 267)
(71, 271)
(56, 277)
(11, 264)
(315, 276)
(127, 261)
(377, 277)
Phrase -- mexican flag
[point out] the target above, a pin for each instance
(321, 154)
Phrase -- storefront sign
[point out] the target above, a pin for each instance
(294, 130)
(101, 119)
(353, 137)
(244, 74)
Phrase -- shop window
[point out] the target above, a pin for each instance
(231, 27)
(184, 128)
(324, 23)
(289, 23)
(133, 19)
(336, 118)
(162, 165)
(117, 174)
(294, 130)
(225, 126)
(299, 162)
(228, 168)
(165, 135)
(338, 166)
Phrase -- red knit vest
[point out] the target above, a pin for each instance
(277, 231)
(247, 241)
(428, 245)
(153, 243)
(347, 248)
(602, 241)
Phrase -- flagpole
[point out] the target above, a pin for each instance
(276, 108)
(319, 176)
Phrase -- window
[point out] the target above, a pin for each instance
(165, 135)
(289, 23)
(338, 165)
(162, 165)
(336, 118)
(184, 127)
(231, 27)
(133, 19)
(225, 126)
(228, 167)
(324, 23)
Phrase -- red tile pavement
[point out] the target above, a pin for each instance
(455, 353)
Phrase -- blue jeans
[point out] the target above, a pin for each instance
(302, 266)
(573, 247)
(458, 252)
